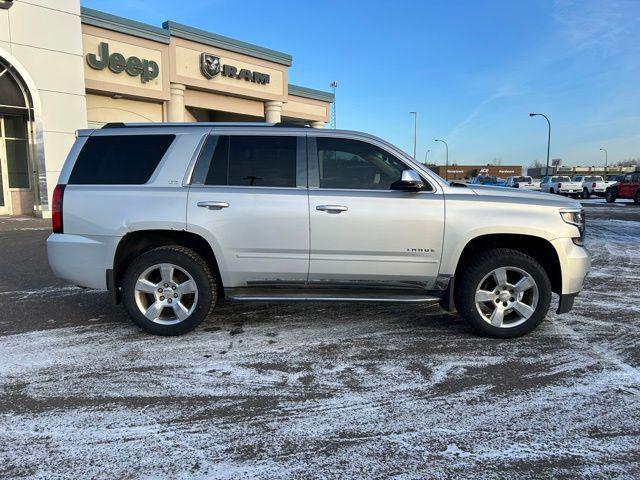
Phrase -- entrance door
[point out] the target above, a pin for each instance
(364, 233)
(4, 180)
(14, 165)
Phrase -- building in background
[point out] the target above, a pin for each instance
(465, 172)
(63, 67)
(536, 172)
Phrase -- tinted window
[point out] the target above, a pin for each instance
(592, 179)
(253, 161)
(522, 179)
(560, 179)
(351, 164)
(119, 159)
(635, 178)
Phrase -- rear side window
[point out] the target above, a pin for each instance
(119, 159)
(253, 161)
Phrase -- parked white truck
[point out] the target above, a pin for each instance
(561, 185)
(523, 182)
(592, 185)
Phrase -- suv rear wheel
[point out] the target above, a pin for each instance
(503, 293)
(637, 197)
(586, 193)
(169, 290)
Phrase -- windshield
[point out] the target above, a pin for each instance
(560, 179)
(522, 179)
(593, 179)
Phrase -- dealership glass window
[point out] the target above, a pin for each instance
(351, 164)
(17, 162)
(119, 159)
(14, 131)
(253, 161)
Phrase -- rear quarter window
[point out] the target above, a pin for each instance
(119, 159)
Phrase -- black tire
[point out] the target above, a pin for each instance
(586, 193)
(609, 196)
(551, 190)
(191, 263)
(637, 198)
(472, 274)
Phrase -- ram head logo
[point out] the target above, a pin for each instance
(209, 65)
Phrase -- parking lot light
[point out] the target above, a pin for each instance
(446, 165)
(548, 137)
(606, 161)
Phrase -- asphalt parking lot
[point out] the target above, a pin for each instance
(316, 390)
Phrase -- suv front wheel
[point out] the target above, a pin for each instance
(169, 290)
(609, 196)
(503, 293)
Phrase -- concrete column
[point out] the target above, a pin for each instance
(317, 124)
(272, 111)
(175, 107)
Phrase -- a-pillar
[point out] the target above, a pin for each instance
(175, 107)
(272, 111)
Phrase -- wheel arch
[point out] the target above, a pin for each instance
(539, 248)
(137, 242)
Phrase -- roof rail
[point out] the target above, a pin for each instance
(186, 124)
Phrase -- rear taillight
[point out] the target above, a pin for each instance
(559, 185)
(56, 209)
(593, 185)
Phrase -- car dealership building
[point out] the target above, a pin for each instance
(63, 67)
(465, 172)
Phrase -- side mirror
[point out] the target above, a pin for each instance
(410, 180)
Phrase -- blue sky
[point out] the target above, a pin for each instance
(472, 69)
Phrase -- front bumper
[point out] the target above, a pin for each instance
(574, 264)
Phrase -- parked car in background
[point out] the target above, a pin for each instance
(175, 218)
(526, 183)
(487, 180)
(591, 185)
(613, 179)
(628, 187)
(561, 185)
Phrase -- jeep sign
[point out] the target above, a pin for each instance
(210, 67)
(134, 66)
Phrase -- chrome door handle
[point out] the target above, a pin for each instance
(213, 205)
(332, 208)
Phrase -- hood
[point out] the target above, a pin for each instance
(521, 196)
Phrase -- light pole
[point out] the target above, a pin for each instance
(334, 85)
(548, 137)
(426, 156)
(415, 132)
(606, 161)
(446, 165)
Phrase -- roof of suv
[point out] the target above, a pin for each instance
(195, 124)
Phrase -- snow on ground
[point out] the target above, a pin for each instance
(334, 391)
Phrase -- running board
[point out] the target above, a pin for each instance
(302, 295)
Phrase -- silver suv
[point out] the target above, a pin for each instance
(175, 218)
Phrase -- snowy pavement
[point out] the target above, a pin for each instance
(317, 390)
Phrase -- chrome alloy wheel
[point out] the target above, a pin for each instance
(506, 297)
(166, 294)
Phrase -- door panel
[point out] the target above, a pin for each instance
(249, 199)
(387, 239)
(262, 237)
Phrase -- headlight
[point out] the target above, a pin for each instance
(575, 217)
